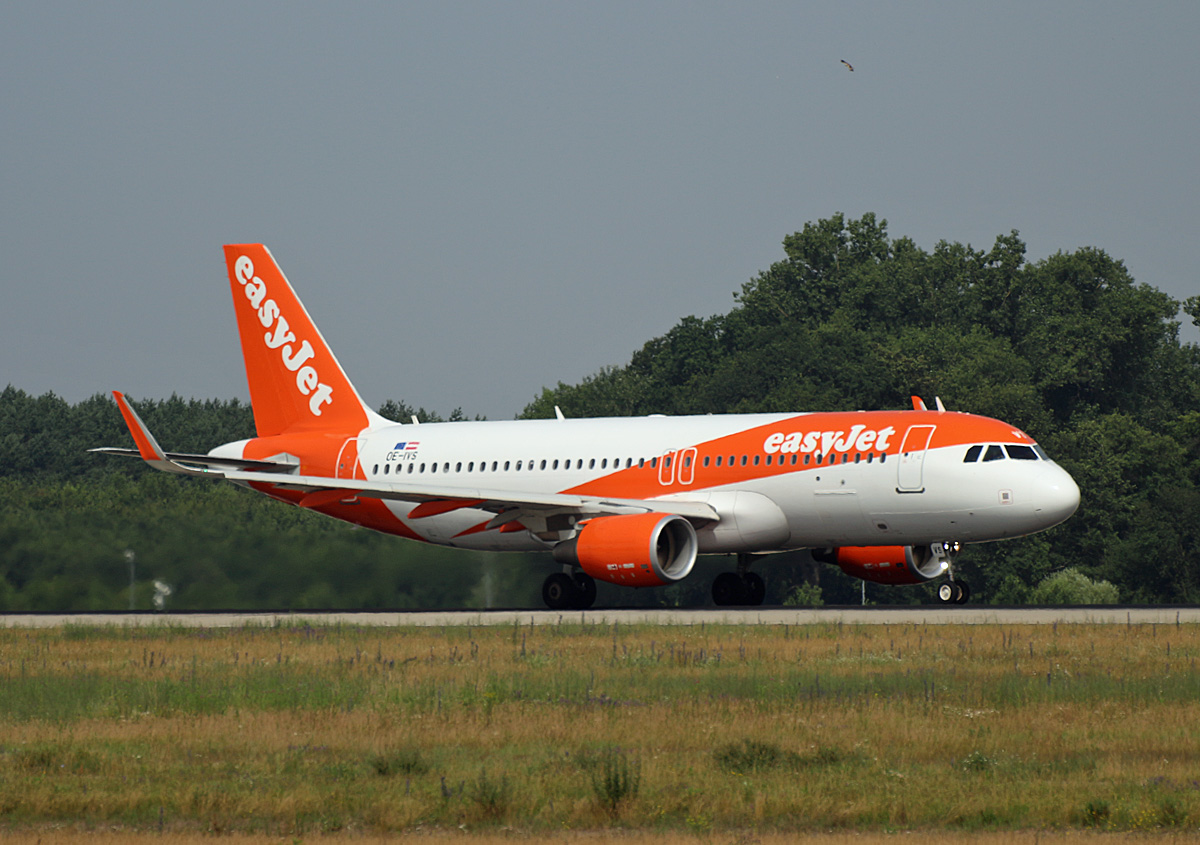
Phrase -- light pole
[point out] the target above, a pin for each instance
(132, 569)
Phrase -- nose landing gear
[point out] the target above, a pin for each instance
(954, 590)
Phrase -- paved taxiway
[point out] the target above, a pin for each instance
(931, 615)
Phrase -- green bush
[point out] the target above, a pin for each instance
(1070, 586)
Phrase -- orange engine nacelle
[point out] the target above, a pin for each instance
(638, 550)
(887, 564)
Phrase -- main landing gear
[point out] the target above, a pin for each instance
(569, 591)
(739, 588)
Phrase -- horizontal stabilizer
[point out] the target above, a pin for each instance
(205, 460)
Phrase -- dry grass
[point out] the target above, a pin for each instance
(708, 733)
(68, 836)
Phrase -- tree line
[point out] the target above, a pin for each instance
(1070, 348)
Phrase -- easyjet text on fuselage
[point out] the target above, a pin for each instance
(860, 438)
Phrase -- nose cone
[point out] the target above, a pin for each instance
(1057, 496)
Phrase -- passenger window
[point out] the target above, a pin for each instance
(507, 464)
(495, 465)
(591, 463)
(706, 460)
(1021, 453)
(743, 460)
(458, 467)
(653, 463)
(993, 453)
(433, 467)
(604, 463)
(973, 454)
(446, 467)
(518, 466)
(410, 468)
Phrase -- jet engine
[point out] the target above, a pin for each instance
(888, 564)
(635, 550)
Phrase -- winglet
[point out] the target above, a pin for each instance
(148, 447)
(919, 404)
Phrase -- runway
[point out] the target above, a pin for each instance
(777, 616)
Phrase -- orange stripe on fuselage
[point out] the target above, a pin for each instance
(835, 437)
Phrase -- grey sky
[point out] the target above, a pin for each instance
(478, 200)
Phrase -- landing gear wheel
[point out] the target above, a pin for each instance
(949, 593)
(964, 592)
(559, 591)
(728, 589)
(756, 590)
(585, 591)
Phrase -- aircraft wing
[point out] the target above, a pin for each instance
(431, 499)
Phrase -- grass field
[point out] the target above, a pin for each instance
(712, 734)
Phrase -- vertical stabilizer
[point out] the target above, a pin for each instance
(296, 383)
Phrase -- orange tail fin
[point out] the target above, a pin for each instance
(296, 383)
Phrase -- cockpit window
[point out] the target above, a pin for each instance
(1041, 452)
(1021, 453)
(972, 454)
(993, 453)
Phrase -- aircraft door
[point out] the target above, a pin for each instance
(347, 462)
(909, 469)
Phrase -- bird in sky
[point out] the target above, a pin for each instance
(847, 64)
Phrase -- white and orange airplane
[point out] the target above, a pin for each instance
(888, 496)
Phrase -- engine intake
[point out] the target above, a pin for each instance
(887, 564)
(636, 550)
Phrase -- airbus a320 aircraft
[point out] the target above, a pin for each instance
(888, 496)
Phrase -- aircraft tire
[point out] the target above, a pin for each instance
(964, 592)
(585, 587)
(729, 589)
(559, 591)
(756, 588)
(947, 593)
